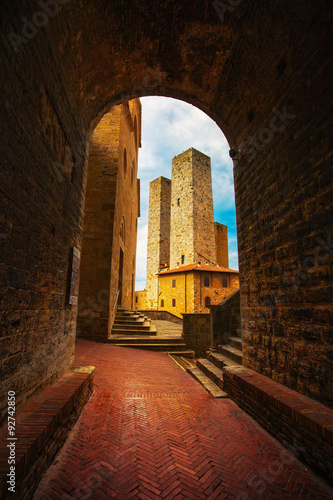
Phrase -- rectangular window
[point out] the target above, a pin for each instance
(173, 283)
(162, 303)
(183, 259)
(173, 302)
(225, 283)
(206, 281)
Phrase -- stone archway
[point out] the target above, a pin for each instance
(261, 72)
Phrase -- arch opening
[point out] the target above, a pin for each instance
(261, 75)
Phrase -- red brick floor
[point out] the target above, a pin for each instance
(150, 431)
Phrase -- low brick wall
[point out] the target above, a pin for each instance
(41, 430)
(163, 315)
(303, 425)
(196, 332)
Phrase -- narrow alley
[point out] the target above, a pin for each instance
(150, 431)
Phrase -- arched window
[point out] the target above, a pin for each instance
(173, 302)
(125, 162)
(162, 303)
(178, 202)
(207, 301)
(225, 283)
(183, 259)
(206, 281)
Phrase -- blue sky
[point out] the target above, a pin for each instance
(170, 127)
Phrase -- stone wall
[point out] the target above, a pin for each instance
(162, 315)
(95, 269)
(127, 210)
(140, 300)
(225, 320)
(196, 332)
(110, 221)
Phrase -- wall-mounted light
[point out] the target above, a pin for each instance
(233, 153)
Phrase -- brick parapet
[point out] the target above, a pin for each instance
(302, 424)
(41, 430)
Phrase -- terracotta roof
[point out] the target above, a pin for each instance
(198, 267)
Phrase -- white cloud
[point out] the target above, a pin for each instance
(170, 127)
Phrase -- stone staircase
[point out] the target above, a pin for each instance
(209, 370)
(132, 323)
(134, 329)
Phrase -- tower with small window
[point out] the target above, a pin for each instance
(184, 240)
(192, 232)
(158, 250)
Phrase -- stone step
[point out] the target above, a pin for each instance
(161, 347)
(188, 353)
(210, 387)
(136, 332)
(219, 360)
(213, 372)
(231, 352)
(133, 326)
(145, 339)
(236, 342)
(130, 318)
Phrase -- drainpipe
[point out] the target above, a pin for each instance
(185, 294)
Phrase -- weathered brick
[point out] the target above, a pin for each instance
(85, 60)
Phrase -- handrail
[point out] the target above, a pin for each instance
(115, 302)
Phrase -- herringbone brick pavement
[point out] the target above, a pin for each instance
(150, 432)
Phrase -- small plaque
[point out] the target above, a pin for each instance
(75, 277)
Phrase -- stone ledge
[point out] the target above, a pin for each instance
(300, 423)
(42, 428)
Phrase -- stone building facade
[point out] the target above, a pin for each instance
(110, 222)
(193, 288)
(140, 300)
(183, 239)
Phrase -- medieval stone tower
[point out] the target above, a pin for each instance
(181, 228)
(192, 236)
(158, 252)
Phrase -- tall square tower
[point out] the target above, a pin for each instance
(192, 233)
(158, 250)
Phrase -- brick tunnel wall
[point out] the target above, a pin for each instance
(261, 72)
(95, 267)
